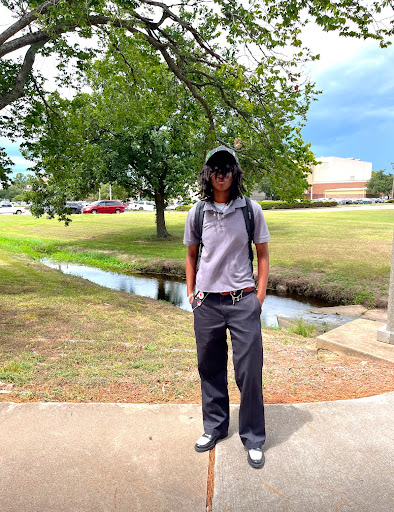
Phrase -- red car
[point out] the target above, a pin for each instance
(105, 206)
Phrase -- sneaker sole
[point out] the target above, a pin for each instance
(256, 465)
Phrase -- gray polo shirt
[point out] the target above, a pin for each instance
(225, 264)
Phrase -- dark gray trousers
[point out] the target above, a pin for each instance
(211, 320)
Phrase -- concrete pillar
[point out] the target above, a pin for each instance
(386, 333)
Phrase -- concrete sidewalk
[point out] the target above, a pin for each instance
(330, 456)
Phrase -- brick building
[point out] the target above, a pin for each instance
(339, 177)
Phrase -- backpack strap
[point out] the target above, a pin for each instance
(199, 219)
(249, 223)
(198, 225)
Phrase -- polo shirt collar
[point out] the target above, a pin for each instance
(239, 202)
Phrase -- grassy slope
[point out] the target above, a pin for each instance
(62, 336)
(65, 339)
(340, 255)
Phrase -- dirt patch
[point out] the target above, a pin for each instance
(293, 372)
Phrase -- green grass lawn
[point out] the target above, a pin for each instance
(63, 338)
(343, 256)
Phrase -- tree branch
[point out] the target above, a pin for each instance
(18, 89)
(185, 25)
(117, 49)
(177, 72)
(26, 20)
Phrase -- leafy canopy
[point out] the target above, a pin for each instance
(380, 183)
(138, 128)
(240, 61)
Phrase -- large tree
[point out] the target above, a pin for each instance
(243, 52)
(138, 128)
(380, 183)
(183, 32)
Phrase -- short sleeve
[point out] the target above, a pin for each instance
(261, 233)
(190, 237)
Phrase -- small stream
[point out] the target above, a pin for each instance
(173, 290)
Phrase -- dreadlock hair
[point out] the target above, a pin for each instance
(225, 163)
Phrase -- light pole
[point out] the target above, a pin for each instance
(392, 190)
(386, 333)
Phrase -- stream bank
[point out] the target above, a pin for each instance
(279, 309)
(312, 285)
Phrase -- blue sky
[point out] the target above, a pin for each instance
(353, 117)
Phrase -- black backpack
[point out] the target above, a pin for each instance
(248, 214)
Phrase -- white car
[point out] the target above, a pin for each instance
(9, 208)
(142, 205)
(173, 206)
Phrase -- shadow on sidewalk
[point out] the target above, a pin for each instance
(282, 421)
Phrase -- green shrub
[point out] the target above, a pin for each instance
(274, 205)
(183, 207)
(269, 205)
(323, 204)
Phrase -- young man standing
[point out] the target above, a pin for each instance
(221, 289)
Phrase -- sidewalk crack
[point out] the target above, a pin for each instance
(210, 480)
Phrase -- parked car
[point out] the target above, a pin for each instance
(142, 205)
(173, 206)
(75, 206)
(9, 208)
(104, 206)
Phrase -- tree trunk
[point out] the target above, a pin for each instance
(161, 230)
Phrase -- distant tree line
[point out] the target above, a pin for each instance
(17, 190)
(381, 183)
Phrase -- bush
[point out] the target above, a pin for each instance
(323, 204)
(274, 205)
(19, 198)
(183, 207)
(269, 205)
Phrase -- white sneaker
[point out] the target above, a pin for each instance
(256, 458)
(208, 441)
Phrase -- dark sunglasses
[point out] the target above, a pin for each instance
(224, 173)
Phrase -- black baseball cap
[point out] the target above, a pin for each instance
(223, 149)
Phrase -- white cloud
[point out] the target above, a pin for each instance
(12, 149)
(20, 161)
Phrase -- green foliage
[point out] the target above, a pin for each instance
(5, 168)
(15, 192)
(380, 183)
(137, 130)
(275, 205)
(183, 207)
(302, 329)
(205, 47)
(265, 185)
(21, 180)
